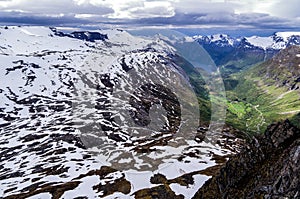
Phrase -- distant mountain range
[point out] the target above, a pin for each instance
(234, 54)
(277, 41)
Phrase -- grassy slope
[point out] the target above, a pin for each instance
(263, 96)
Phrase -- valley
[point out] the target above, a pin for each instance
(271, 87)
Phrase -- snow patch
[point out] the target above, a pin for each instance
(190, 191)
(41, 195)
(263, 42)
(286, 35)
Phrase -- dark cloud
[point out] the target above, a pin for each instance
(248, 19)
(17, 18)
(177, 19)
(224, 19)
(59, 7)
(180, 13)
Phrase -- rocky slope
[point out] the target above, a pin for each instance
(283, 69)
(267, 168)
(98, 115)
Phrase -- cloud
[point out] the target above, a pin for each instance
(289, 9)
(51, 7)
(203, 6)
(208, 13)
(133, 9)
(221, 17)
(19, 18)
(153, 9)
(250, 19)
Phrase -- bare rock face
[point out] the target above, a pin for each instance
(269, 167)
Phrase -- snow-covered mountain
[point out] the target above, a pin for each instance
(234, 54)
(277, 41)
(221, 40)
(100, 114)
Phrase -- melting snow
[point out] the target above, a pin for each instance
(35, 45)
(189, 192)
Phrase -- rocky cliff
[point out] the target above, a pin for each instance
(267, 168)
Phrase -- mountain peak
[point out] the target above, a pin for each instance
(277, 41)
(286, 35)
(218, 39)
(262, 42)
(219, 36)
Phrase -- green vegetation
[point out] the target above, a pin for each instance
(199, 86)
(258, 96)
(257, 101)
(296, 120)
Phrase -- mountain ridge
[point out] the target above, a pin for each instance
(233, 55)
(268, 167)
(277, 40)
(71, 109)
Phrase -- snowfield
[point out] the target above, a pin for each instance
(64, 132)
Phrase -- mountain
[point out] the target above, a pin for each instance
(83, 35)
(102, 114)
(266, 93)
(266, 168)
(283, 69)
(235, 54)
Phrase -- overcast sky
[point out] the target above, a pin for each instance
(189, 14)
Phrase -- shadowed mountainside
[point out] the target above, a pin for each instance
(267, 168)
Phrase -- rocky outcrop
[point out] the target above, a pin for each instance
(82, 35)
(269, 167)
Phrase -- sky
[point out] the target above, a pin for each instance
(190, 16)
